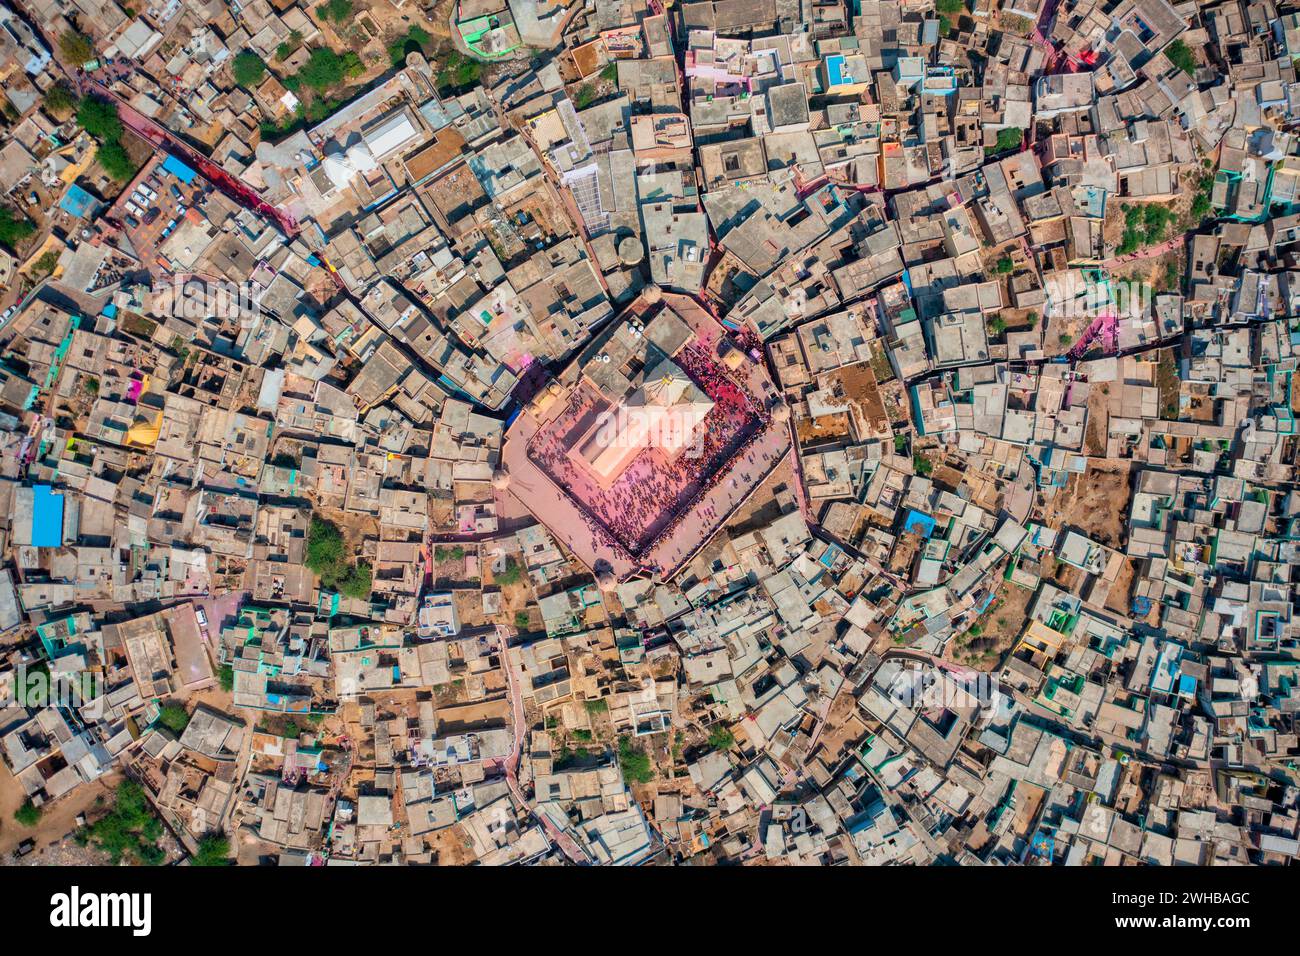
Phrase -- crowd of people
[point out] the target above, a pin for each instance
(629, 515)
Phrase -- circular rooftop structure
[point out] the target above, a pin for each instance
(630, 251)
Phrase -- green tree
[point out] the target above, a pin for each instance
(1173, 275)
(416, 40)
(327, 559)
(511, 573)
(356, 581)
(14, 226)
(1008, 139)
(99, 118)
(323, 70)
(336, 10)
(213, 850)
(249, 69)
(521, 620)
(1181, 56)
(59, 99)
(116, 161)
(46, 264)
(130, 830)
(1200, 207)
(76, 47)
(634, 762)
(720, 738)
(287, 48)
(174, 717)
(227, 677)
(921, 465)
(29, 814)
(457, 70)
(1005, 266)
(324, 546)
(1156, 220)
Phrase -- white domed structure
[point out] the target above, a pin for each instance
(342, 166)
(652, 294)
(500, 479)
(606, 581)
(780, 412)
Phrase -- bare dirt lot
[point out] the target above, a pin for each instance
(1094, 440)
(984, 645)
(1120, 598)
(1097, 503)
(450, 846)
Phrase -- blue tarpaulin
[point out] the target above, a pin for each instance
(47, 517)
(178, 169)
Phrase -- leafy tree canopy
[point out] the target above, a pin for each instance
(249, 69)
(76, 47)
(29, 814)
(116, 161)
(130, 830)
(99, 118)
(174, 717)
(327, 558)
(1181, 56)
(336, 10)
(14, 226)
(59, 99)
(720, 738)
(634, 761)
(213, 850)
(323, 70)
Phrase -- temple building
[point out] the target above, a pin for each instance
(630, 456)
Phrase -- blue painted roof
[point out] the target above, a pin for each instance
(47, 517)
(178, 169)
(77, 202)
(835, 69)
(918, 523)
